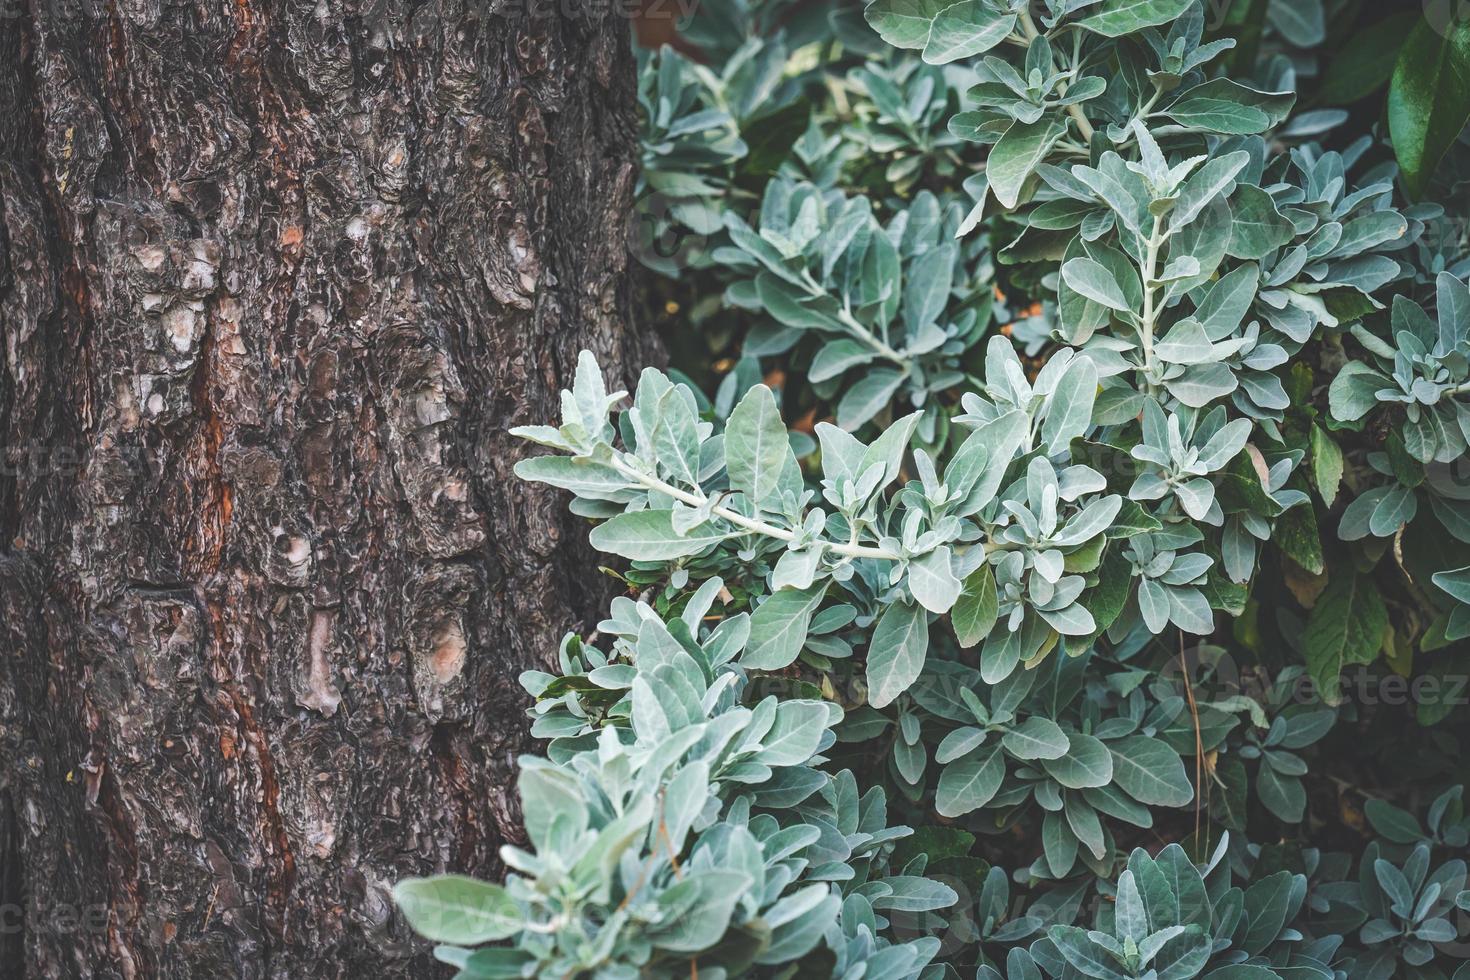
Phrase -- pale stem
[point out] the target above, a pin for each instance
(851, 322)
(1150, 315)
(751, 524)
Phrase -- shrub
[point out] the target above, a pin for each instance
(1073, 597)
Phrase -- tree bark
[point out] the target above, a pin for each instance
(275, 277)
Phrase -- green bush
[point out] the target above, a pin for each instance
(1026, 592)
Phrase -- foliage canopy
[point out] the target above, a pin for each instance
(1019, 594)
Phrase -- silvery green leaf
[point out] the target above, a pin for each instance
(1225, 444)
(457, 909)
(1074, 482)
(758, 454)
(932, 581)
(778, 627)
(1038, 737)
(1216, 177)
(1395, 510)
(1195, 496)
(1016, 155)
(1153, 603)
(1069, 409)
(676, 439)
(1115, 18)
(965, 29)
(1256, 228)
(969, 783)
(926, 289)
(1093, 520)
(959, 742)
(1086, 764)
(649, 535)
(1224, 106)
(842, 453)
(888, 449)
(1004, 436)
(582, 476)
(1190, 611)
(1202, 384)
(1095, 282)
(904, 23)
(870, 395)
(1354, 391)
(1302, 22)
(896, 653)
(1149, 771)
(544, 435)
(795, 735)
(1187, 343)
(1180, 268)
(700, 907)
(913, 893)
(837, 357)
(1073, 620)
(796, 568)
(590, 395)
(1370, 232)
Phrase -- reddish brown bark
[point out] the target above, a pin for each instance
(275, 276)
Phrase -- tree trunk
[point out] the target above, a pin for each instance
(275, 277)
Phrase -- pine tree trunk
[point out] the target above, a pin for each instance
(275, 276)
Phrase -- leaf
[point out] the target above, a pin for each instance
(1282, 795)
(1091, 279)
(1069, 410)
(457, 909)
(1037, 737)
(1223, 106)
(836, 357)
(869, 396)
(1016, 155)
(1256, 228)
(1299, 539)
(1354, 391)
(1149, 771)
(970, 783)
(1118, 17)
(758, 453)
(778, 627)
(896, 652)
(933, 582)
(649, 535)
(964, 30)
(1346, 627)
(704, 901)
(1429, 98)
(1087, 763)
(1326, 464)
(796, 733)
(1301, 22)
(976, 609)
(1396, 825)
(1205, 185)
(904, 23)
(1366, 62)
(927, 287)
(581, 476)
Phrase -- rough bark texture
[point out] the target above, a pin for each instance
(275, 275)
